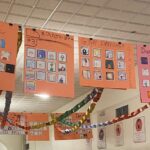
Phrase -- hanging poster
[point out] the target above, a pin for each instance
(27, 119)
(139, 130)
(101, 138)
(8, 53)
(143, 61)
(49, 63)
(119, 136)
(106, 64)
(79, 134)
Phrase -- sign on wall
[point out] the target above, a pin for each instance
(49, 63)
(101, 138)
(143, 61)
(79, 134)
(106, 64)
(139, 134)
(8, 53)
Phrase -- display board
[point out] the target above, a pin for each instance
(8, 53)
(143, 61)
(27, 119)
(79, 134)
(106, 64)
(49, 63)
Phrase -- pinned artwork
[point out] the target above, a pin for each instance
(8, 53)
(49, 63)
(143, 57)
(107, 64)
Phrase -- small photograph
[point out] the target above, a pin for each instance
(61, 78)
(40, 75)
(122, 76)
(144, 60)
(97, 63)
(51, 77)
(109, 64)
(84, 51)
(121, 65)
(146, 83)
(86, 74)
(5, 55)
(51, 66)
(96, 52)
(97, 75)
(62, 57)
(31, 52)
(30, 75)
(145, 72)
(10, 68)
(120, 55)
(2, 43)
(2, 67)
(109, 54)
(30, 63)
(85, 62)
(109, 76)
(41, 54)
(40, 64)
(30, 85)
(62, 67)
(51, 55)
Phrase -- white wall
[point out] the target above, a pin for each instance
(12, 142)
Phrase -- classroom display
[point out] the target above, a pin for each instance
(8, 53)
(49, 63)
(106, 64)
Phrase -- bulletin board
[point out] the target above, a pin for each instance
(79, 134)
(106, 64)
(49, 63)
(8, 53)
(143, 61)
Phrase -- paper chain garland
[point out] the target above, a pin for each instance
(66, 114)
(87, 114)
(110, 122)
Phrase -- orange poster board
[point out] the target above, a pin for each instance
(106, 64)
(79, 134)
(49, 63)
(8, 53)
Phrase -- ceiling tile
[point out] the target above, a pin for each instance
(15, 19)
(54, 25)
(77, 1)
(41, 13)
(35, 22)
(96, 2)
(25, 2)
(117, 15)
(4, 7)
(47, 4)
(72, 28)
(69, 7)
(141, 19)
(2, 16)
(89, 10)
(20, 10)
(61, 16)
(97, 22)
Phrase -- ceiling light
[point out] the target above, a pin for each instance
(44, 96)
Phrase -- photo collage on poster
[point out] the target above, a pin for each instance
(45, 65)
(79, 134)
(98, 63)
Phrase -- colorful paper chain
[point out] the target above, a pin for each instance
(66, 114)
(85, 117)
(110, 122)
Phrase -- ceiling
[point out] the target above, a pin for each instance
(117, 20)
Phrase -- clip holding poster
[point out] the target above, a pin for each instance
(49, 56)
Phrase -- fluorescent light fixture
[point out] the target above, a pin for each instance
(44, 96)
